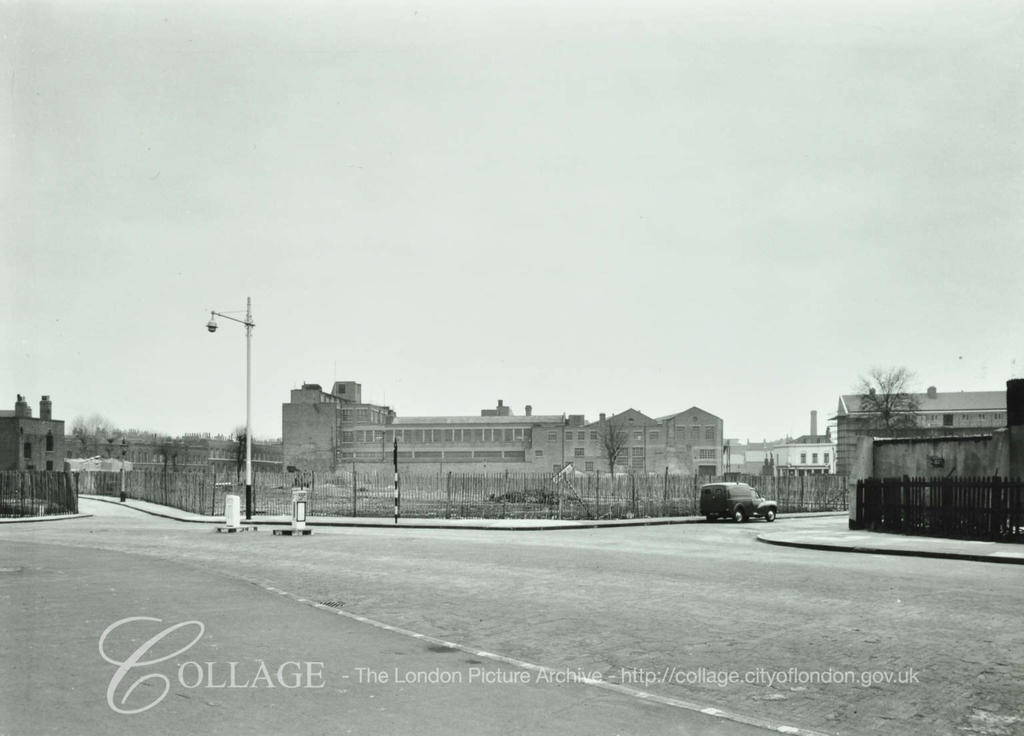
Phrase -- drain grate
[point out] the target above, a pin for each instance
(332, 604)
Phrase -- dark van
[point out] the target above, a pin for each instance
(737, 500)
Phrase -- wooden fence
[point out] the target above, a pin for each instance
(968, 508)
(454, 495)
(36, 493)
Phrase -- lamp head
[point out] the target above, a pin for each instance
(212, 324)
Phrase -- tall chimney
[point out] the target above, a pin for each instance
(814, 423)
(529, 410)
(21, 408)
(602, 416)
(45, 408)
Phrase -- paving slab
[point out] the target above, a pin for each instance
(432, 523)
(844, 539)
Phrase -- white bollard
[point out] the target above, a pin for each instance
(298, 510)
(232, 515)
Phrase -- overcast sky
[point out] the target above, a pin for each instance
(585, 207)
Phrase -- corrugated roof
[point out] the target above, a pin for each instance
(942, 402)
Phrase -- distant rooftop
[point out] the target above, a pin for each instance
(939, 402)
(534, 419)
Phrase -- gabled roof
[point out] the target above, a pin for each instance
(952, 401)
(687, 411)
(628, 418)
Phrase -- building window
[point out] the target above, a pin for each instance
(538, 453)
(508, 435)
(638, 436)
(695, 433)
(49, 464)
(593, 435)
(581, 435)
(49, 443)
(27, 450)
(552, 436)
(825, 458)
(814, 458)
(568, 435)
(706, 454)
(589, 467)
(803, 458)
(518, 434)
(947, 420)
(556, 468)
(578, 452)
(654, 436)
(709, 433)
(638, 452)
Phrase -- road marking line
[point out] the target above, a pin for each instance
(644, 695)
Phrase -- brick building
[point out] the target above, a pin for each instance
(939, 414)
(328, 430)
(28, 443)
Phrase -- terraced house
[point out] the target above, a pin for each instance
(329, 430)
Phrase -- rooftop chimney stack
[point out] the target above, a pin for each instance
(932, 391)
(21, 408)
(45, 408)
(529, 410)
(814, 423)
(602, 416)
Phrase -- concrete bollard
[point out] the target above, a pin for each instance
(232, 514)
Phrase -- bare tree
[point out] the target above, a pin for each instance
(169, 450)
(89, 430)
(613, 439)
(885, 396)
(240, 434)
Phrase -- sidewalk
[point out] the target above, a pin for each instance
(842, 539)
(52, 517)
(168, 512)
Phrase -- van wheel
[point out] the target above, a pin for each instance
(711, 517)
(769, 515)
(739, 515)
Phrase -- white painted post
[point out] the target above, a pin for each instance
(232, 511)
(298, 510)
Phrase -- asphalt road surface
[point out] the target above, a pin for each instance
(621, 630)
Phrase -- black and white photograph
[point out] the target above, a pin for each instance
(512, 367)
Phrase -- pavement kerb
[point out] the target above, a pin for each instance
(31, 519)
(861, 549)
(492, 525)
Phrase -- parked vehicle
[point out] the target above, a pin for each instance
(736, 500)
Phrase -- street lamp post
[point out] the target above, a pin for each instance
(249, 324)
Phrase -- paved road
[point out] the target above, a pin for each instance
(678, 603)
